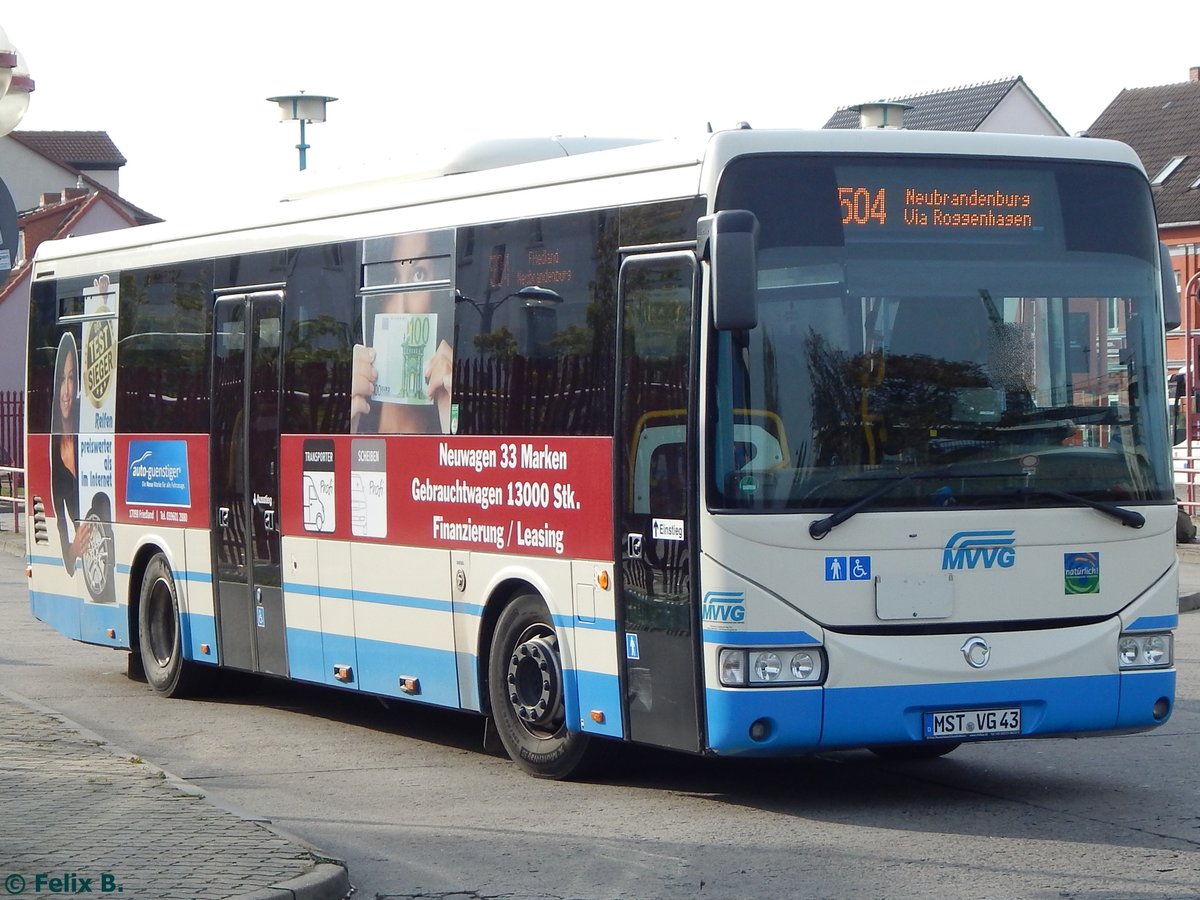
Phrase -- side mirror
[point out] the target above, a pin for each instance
(1172, 317)
(728, 240)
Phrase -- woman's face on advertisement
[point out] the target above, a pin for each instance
(68, 388)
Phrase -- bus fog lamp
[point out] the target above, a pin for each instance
(1145, 651)
(767, 666)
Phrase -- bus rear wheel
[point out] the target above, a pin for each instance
(160, 635)
(525, 686)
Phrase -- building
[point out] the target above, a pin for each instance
(63, 183)
(1162, 125)
(1006, 106)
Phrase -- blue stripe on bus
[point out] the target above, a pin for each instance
(90, 623)
(1153, 623)
(199, 628)
(58, 611)
(379, 665)
(87, 622)
(793, 717)
(470, 609)
(409, 602)
(803, 720)
(759, 638)
(306, 656)
(56, 562)
(596, 693)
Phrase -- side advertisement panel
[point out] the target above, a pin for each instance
(531, 496)
(162, 480)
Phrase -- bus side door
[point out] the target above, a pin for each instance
(657, 612)
(244, 454)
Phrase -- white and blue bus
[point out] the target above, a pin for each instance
(762, 444)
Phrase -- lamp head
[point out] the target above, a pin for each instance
(538, 296)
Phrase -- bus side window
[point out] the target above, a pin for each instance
(317, 339)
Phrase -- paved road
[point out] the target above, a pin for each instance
(417, 809)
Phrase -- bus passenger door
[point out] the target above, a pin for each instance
(244, 453)
(657, 615)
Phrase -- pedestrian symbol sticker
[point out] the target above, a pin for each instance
(835, 568)
(847, 568)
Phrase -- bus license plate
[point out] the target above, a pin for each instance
(972, 723)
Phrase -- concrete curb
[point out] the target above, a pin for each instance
(327, 881)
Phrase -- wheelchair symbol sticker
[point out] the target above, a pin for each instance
(847, 568)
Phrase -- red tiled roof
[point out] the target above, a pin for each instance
(1160, 124)
(80, 149)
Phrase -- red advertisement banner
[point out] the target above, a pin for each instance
(533, 496)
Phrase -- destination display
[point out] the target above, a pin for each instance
(880, 203)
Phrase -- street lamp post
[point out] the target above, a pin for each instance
(303, 108)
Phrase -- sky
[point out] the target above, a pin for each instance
(181, 88)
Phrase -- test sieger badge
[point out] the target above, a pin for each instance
(100, 349)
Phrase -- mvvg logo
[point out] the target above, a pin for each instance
(724, 606)
(969, 549)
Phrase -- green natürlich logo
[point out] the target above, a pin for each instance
(1081, 573)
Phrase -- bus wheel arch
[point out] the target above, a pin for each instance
(499, 599)
(526, 690)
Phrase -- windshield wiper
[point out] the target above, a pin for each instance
(822, 527)
(1128, 517)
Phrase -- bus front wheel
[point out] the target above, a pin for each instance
(525, 686)
(160, 635)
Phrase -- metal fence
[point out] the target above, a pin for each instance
(12, 428)
(12, 458)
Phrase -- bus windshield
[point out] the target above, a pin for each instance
(945, 332)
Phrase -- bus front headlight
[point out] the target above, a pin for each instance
(770, 666)
(1145, 651)
(766, 665)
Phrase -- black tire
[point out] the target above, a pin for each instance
(1185, 528)
(525, 686)
(911, 752)
(160, 636)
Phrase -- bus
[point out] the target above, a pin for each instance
(767, 443)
